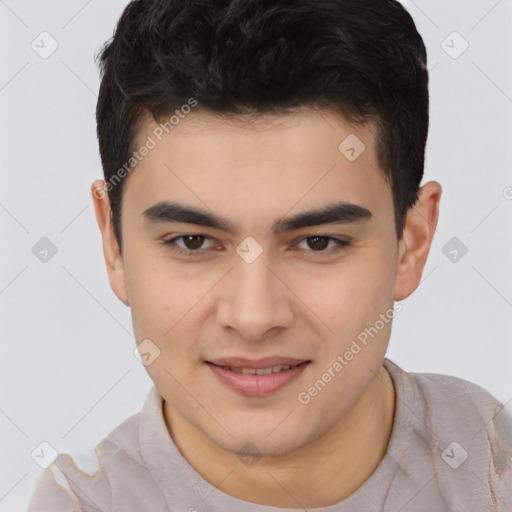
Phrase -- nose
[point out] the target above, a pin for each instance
(255, 301)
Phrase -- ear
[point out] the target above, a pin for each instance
(113, 258)
(415, 243)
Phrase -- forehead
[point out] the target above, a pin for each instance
(242, 165)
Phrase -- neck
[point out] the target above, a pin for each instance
(338, 462)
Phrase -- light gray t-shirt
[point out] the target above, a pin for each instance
(450, 450)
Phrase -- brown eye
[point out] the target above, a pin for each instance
(193, 242)
(322, 244)
(189, 245)
(318, 242)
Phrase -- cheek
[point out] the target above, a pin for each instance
(348, 299)
(159, 293)
(167, 308)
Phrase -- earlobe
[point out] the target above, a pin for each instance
(417, 238)
(113, 258)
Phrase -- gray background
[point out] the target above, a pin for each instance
(68, 373)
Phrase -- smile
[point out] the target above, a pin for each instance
(258, 371)
(257, 381)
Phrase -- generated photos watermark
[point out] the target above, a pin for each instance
(357, 345)
(151, 143)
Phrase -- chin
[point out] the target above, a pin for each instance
(254, 441)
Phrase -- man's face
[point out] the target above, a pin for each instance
(289, 291)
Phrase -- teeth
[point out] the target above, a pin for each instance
(264, 371)
(279, 368)
(258, 371)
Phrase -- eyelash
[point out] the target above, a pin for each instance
(340, 245)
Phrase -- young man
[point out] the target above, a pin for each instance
(261, 213)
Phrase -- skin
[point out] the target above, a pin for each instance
(294, 300)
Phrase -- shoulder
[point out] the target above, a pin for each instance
(458, 400)
(464, 428)
(456, 395)
(90, 485)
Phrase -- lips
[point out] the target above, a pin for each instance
(258, 371)
(260, 377)
(265, 362)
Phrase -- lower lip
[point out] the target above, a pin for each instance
(257, 385)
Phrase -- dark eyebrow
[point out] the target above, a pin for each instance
(337, 213)
(166, 211)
